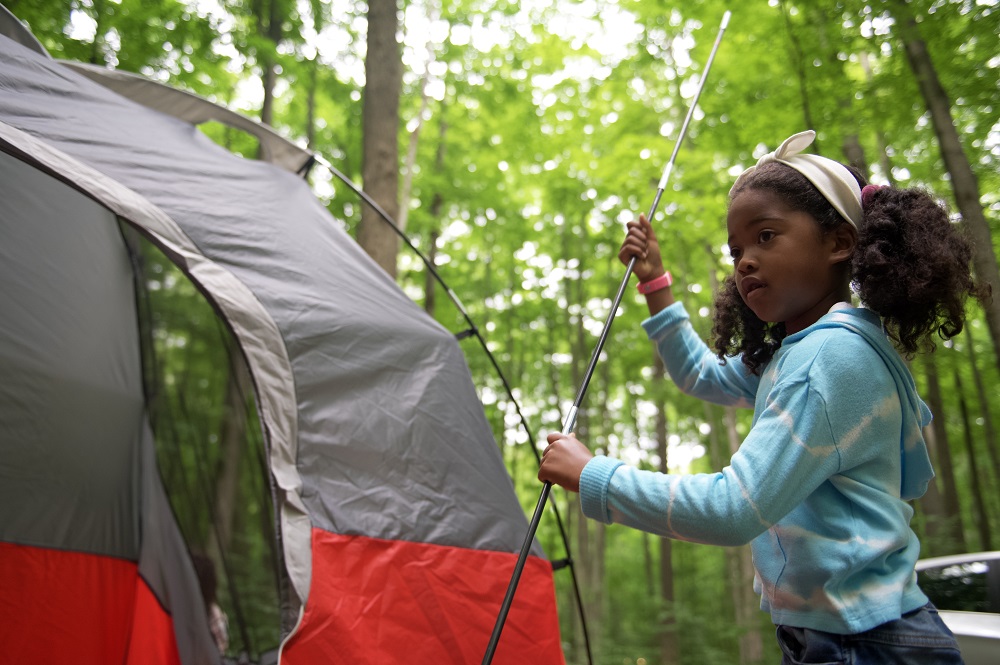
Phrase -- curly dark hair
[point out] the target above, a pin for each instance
(911, 266)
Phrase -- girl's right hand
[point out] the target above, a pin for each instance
(641, 243)
(563, 461)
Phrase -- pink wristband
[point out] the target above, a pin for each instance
(661, 282)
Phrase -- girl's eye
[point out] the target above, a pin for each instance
(765, 236)
(734, 253)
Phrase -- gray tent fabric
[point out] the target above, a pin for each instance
(368, 408)
(195, 110)
(69, 316)
(77, 464)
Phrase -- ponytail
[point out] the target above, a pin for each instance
(912, 267)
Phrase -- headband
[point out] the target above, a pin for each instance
(831, 178)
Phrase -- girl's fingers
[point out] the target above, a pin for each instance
(627, 253)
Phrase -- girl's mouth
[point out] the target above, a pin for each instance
(750, 285)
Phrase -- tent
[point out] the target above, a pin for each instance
(397, 521)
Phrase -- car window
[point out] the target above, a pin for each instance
(973, 586)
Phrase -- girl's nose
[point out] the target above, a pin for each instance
(746, 264)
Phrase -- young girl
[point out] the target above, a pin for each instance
(820, 484)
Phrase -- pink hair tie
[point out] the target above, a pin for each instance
(866, 193)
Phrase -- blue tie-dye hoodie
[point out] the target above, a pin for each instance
(818, 487)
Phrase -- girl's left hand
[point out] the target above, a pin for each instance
(563, 461)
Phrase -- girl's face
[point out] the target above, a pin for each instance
(786, 268)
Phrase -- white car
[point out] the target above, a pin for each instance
(966, 590)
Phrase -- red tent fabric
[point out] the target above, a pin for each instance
(58, 607)
(377, 601)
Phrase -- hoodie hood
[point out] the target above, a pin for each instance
(917, 471)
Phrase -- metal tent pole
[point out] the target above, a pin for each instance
(570, 421)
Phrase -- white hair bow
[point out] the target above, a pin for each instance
(831, 178)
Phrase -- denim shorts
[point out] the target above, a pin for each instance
(917, 638)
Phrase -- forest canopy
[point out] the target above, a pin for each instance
(528, 134)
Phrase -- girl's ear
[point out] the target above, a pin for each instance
(843, 240)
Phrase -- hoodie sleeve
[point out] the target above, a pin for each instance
(818, 419)
(788, 453)
(693, 366)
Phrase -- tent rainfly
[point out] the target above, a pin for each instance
(397, 522)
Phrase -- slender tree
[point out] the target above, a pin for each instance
(948, 530)
(981, 516)
(669, 647)
(380, 144)
(965, 184)
(989, 430)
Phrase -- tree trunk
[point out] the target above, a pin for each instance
(669, 647)
(647, 560)
(883, 156)
(949, 527)
(964, 183)
(311, 104)
(982, 516)
(800, 72)
(411, 160)
(380, 123)
(855, 153)
(437, 205)
(719, 455)
(989, 431)
(270, 28)
(744, 599)
(411, 151)
(430, 289)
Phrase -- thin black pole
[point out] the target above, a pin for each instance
(570, 421)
